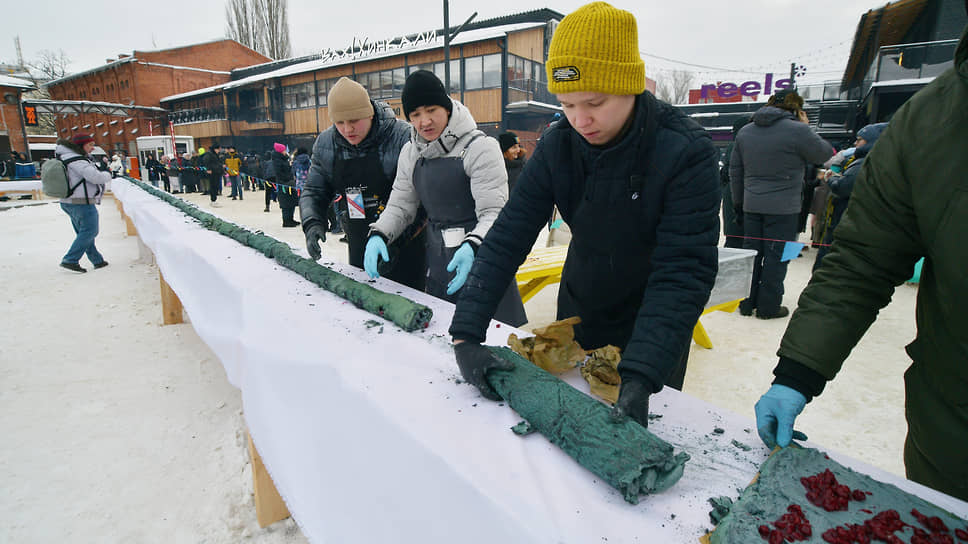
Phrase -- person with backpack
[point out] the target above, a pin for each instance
(85, 186)
(636, 181)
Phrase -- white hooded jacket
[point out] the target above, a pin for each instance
(483, 164)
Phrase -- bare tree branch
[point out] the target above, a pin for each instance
(48, 66)
(262, 25)
(242, 24)
(675, 88)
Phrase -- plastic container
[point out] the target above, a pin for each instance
(734, 277)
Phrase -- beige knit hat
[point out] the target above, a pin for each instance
(348, 101)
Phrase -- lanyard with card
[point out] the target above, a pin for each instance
(354, 203)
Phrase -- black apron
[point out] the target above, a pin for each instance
(607, 267)
(445, 192)
(366, 175)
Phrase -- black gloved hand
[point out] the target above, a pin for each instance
(314, 235)
(475, 361)
(633, 402)
(738, 212)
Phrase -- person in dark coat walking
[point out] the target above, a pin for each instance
(357, 156)
(841, 186)
(214, 170)
(766, 171)
(637, 182)
(285, 189)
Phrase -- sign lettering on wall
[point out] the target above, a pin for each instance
(364, 47)
(747, 88)
(30, 115)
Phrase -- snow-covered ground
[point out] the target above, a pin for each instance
(116, 428)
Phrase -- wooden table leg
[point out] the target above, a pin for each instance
(269, 506)
(129, 225)
(171, 306)
(531, 288)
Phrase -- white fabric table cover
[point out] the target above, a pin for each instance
(369, 438)
(27, 185)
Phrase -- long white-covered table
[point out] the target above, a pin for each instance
(369, 437)
(32, 186)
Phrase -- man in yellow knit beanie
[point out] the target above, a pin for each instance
(637, 183)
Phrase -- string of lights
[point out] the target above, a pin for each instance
(827, 60)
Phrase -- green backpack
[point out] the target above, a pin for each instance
(53, 177)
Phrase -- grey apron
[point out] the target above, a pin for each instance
(366, 174)
(445, 192)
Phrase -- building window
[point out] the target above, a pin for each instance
(299, 96)
(482, 72)
(322, 91)
(474, 73)
(399, 78)
(492, 71)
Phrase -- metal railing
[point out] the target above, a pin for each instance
(256, 114)
(196, 115)
(910, 61)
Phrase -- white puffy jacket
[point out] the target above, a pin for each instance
(483, 163)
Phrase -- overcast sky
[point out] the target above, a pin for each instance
(751, 36)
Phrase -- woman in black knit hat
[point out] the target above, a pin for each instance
(456, 173)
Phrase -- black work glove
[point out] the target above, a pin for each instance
(739, 215)
(633, 402)
(475, 361)
(314, 235)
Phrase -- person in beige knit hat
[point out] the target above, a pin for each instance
(355, 162)
(637, 183)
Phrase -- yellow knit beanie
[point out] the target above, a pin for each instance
(596, 49)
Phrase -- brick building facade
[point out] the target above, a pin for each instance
(143, 78)
(11, 121)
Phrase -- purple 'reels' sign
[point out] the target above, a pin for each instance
(747, 88)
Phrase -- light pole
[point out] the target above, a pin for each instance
(448, 37)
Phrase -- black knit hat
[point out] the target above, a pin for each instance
(507, 140)
(422, 88)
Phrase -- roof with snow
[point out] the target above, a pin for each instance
(465, 37)
(10, 81)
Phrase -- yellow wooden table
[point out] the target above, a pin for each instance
(543, 267)
(699, 335)
(540, 269)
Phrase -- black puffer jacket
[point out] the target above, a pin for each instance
(387, 136)
(281, 170)
(213, 164)
(282, 173)
(644, 216)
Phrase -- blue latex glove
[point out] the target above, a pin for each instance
(375, 249)
(462, 262)
(775, 413)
